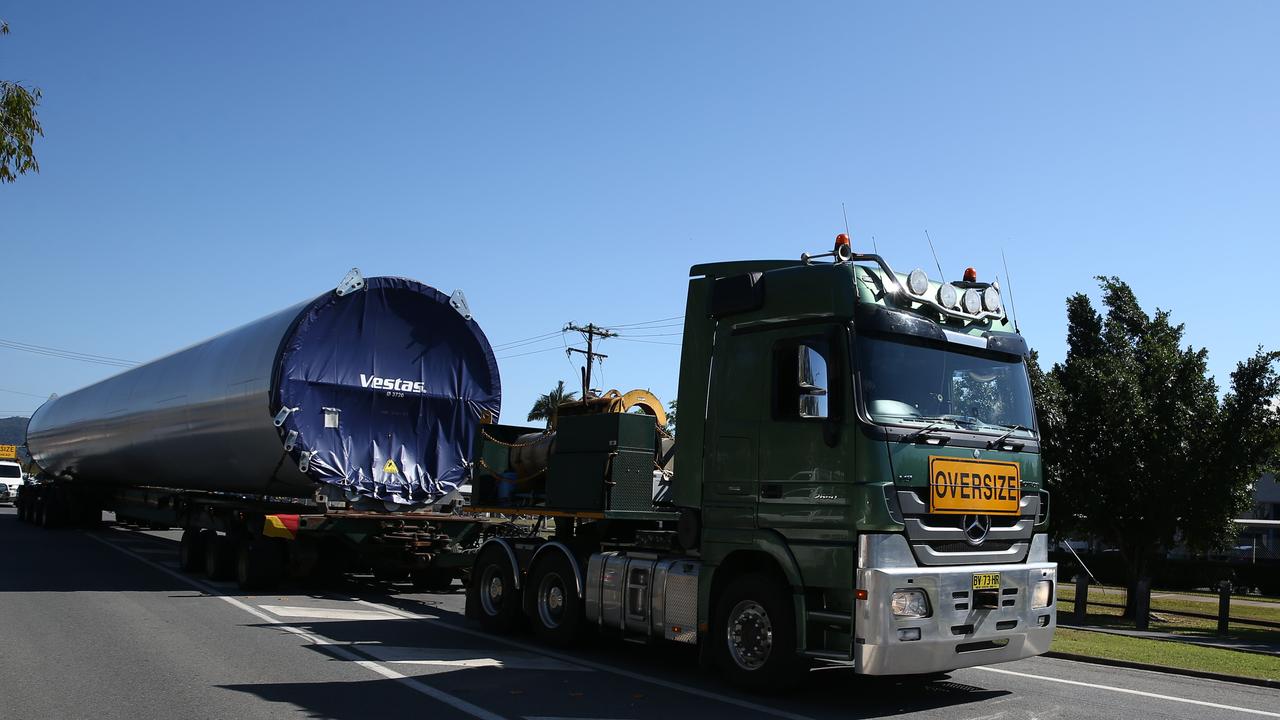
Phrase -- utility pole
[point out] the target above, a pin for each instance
(590, 332)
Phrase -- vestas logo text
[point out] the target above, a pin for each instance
(379, 383)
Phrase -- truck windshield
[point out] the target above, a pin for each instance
(904, 382)
(10, 471)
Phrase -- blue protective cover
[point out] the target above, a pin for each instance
(410, 380)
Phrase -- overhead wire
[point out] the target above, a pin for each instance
(66, 354)
(19, 392)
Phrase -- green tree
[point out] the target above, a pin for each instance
(546, 407)
(671, 418)
(18, 126)
(1138, 448)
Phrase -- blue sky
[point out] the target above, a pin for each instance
(206, 164)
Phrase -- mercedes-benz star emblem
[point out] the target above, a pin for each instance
(976, 528)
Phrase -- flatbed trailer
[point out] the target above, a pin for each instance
(260, 541)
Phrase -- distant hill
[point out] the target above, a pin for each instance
(13, 430)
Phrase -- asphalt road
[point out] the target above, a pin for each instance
(102, 625)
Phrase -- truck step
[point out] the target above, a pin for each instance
(827, 616)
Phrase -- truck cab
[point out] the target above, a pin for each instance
(869, 442)
(856, 480)
(11, 478)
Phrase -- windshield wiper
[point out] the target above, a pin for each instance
(1012, 429)
(924, 431)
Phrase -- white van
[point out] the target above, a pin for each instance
(10, 479)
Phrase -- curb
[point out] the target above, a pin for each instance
(1273, 684)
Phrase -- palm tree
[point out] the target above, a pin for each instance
(547, 406)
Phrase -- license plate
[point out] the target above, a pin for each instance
(986, 581)
(987, 487)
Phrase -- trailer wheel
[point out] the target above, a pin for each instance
(754, 635)
(259, 563)
(219, 557)
(555, 606)
(191, 550)
(493, 592)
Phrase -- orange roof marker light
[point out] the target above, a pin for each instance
(843, 249)
(970, 275)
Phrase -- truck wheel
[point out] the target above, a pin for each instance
(555, 608)
(191, 550)
(433, 580)
(493, 592)
(754, 635)
(219, 558)
(259, 563)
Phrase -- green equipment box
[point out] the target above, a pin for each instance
(603, 462)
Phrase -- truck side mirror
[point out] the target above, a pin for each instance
(812, 382)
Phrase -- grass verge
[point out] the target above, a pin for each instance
(1166, 654)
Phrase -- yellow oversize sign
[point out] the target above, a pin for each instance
(986, 487)
(8, 452)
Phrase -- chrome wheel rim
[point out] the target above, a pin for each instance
(749, 635)
(551, 600)
(491, 590)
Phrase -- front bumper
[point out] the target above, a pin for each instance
(957, 633)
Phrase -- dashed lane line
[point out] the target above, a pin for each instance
(330, 646)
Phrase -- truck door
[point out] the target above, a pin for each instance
(804, 485)
(734, 411)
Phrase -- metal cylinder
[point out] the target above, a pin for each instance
(376, 391)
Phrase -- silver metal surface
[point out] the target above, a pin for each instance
(958, 633)
(944, 540)
(644, 594)
(197, 419)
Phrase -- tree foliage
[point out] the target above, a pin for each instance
(1138, 449)
(547, 406)
(19, 126)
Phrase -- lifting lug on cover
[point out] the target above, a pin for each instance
(458, 302)
(352, 282)
(284, 413)
(304, 461)
(290, 440)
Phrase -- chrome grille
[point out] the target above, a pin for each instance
(941, 540)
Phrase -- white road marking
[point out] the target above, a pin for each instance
(386, 672)
(449, 657)
(322, 613)
(641, 677)
(1127, 691)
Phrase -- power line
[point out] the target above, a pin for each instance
(66, 354)
(19, 392)
(646, 322)
(535, 338)
(531, 352)
(650, 342)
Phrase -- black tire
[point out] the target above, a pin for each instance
(552, 601)
(754, 635)
(191, 550)
(46, 512)
(219, 557)
(260, 563)
(492, 594)
(434, 580)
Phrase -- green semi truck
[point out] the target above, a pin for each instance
(856, 479)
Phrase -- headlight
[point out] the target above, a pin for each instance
(909, 603)
(991, 299)
(1042, 595)
(947, 295)
(918, 282)
(972, 303)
